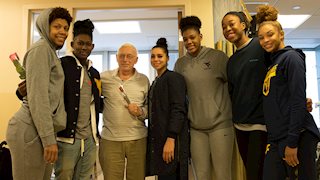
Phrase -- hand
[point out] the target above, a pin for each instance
(51, 153)
(290, 156)
(22, 88)
(134, 109)
(168, 150)
(309, 104)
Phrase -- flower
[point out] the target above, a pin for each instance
(14, 56)
(19, 68)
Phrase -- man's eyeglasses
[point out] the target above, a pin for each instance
(128, 56)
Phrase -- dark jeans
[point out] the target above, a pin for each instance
(276, 168)
(252, 146)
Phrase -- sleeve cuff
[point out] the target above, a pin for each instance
(172, 135)
(292, 141)
(48, 140)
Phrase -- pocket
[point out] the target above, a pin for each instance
(206, 105)
(203, 112)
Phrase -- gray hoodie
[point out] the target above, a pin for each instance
(207, 89)
(45, 85)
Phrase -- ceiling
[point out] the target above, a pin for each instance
(306, 35)
(156, 23)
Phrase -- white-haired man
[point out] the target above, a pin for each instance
(125, 108)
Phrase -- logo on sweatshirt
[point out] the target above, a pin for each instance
(207, 65)
(266, 84)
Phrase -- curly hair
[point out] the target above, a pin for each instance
(190, 22)
(162, 43)
(83, 27)
(60, 12)
(266, 13)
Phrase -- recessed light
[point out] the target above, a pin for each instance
(296, 7)
(292, 21)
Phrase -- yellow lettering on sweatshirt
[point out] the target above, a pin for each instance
(266, 84)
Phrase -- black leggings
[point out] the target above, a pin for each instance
(252, 146)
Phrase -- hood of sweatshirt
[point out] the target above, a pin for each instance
(275, 55)
(43, 26)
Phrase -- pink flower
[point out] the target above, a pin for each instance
(14, 56)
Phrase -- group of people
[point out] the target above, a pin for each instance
(257, 96)
(277, 137)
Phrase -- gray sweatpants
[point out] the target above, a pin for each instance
(26, 149)
(212, 153)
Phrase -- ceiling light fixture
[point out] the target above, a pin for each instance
(118, 27)
(296, 7)
(292, 21)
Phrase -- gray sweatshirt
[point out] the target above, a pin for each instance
(207, 89)
(45, 85)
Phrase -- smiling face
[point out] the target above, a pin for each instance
(192, 41)
(82, 46)
(58, 31)
(127, 57)
(271, 37)
(159, 60)
(233, 29)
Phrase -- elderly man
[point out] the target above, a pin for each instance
(125, 107)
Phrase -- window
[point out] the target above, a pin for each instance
(142, 66)
(173, 56)
(312, 83)
(35, 36)
(97, 61)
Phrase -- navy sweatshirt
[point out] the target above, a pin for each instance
(284, 101)
(246, 71)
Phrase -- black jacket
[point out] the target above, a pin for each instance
(284, 101)
(72, 74)
(168, 118)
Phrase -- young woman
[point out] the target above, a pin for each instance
(77, 143)
(31, 133)
(168, 136)
(211, 130)
(292, 132)
(246, 70)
